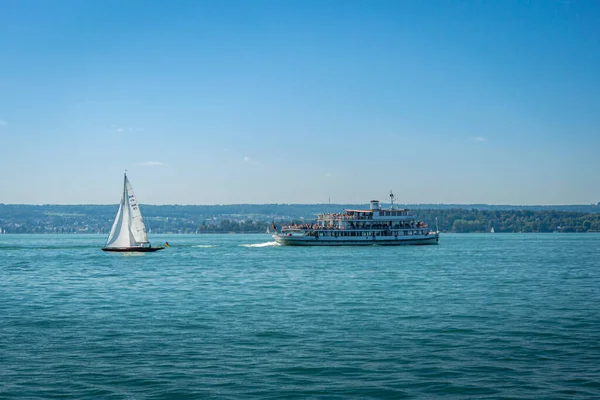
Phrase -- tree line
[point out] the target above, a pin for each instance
(251, 218)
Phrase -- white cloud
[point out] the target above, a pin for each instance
(479, 139)
(121, 129)
(150, 163)
(246, 159)
(3, 122)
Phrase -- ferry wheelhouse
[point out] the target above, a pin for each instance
(376, 225)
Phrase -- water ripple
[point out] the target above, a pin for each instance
(234, 316)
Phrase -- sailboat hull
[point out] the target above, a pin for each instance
(132, 249)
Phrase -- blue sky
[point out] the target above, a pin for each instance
(220, 102)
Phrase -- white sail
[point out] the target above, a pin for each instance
(137, 227)
(128, 230)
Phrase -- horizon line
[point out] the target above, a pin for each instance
(312, 204)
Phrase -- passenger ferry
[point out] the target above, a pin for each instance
(380, 226)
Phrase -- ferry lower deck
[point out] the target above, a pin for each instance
(333, 238)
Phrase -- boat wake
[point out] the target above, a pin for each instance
(266, 244)
(204, 246)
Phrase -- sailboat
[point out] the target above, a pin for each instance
(128, 232)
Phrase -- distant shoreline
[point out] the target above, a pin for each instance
(442, 232)
(245, 218)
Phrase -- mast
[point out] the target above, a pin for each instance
(391, 200)
(124, 183)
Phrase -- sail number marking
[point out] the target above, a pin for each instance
(132, 202)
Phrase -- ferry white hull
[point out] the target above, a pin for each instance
(304, 240)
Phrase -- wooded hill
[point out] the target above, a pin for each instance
(254, 218)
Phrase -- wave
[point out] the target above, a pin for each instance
(266, 244)
(204, 246)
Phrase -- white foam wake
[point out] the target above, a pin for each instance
(204, 246)
(266, 244)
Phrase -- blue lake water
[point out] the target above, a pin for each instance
(235, 316)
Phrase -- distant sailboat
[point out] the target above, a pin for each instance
(268, 230)
(492, 230)
(128, 232)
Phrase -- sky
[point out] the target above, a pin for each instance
(229, 102)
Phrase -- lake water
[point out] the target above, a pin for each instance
(235, 316)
